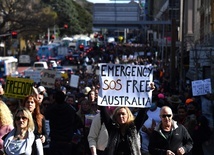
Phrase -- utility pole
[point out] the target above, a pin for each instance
(172, 55)
(48, 35)
(181, 31)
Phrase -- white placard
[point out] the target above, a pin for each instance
(74, 81)
(201, 87)
(125, 85)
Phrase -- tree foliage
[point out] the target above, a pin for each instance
(33, 17)
(25, 17)
(74, 13)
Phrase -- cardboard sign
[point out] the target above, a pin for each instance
(125, 85)
(48, 78)
(18, 87)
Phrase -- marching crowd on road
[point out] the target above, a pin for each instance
(68, 121)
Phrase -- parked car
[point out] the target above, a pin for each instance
(40, 65)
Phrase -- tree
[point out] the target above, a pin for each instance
(24, 16)
(76, 14)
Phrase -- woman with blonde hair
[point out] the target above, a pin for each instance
(21, 140)
(123, 130)
(6, 122)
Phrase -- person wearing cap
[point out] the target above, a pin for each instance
(41, 94)
(169, 137)
(86, 90)
(42, 90)
(173, 102)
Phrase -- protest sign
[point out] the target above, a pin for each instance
(48, 78)
(18, 87)
(201, 87)
(74, 81)
(125, 85)
(33, 74)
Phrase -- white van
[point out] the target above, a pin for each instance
(40, 65)
(24, 60)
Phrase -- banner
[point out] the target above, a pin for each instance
(125, 85)
(18, 87)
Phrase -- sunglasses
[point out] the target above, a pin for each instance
(17, 118)
(167, 115)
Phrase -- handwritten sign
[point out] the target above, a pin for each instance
(18, 87)
(48, 78)
(125, 85)
(201, 87)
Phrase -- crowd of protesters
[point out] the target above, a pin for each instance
(66, 119)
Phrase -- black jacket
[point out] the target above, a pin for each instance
(63, 122)
(132, 133)
(179, 137)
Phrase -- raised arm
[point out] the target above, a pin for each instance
(141, 118)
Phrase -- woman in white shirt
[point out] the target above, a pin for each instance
(21, 140)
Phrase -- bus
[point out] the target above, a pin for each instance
(83, 43)
(8, 66)
(51, 51)
(46, 52)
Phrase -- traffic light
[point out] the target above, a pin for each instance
(52, 36)
(65, 26)
(81, 47)
(14, 34)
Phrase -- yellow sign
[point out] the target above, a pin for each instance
(18, 87)
(64, 75)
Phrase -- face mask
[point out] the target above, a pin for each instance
(153, 106)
